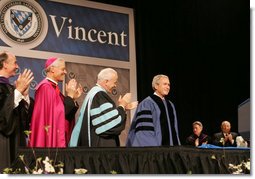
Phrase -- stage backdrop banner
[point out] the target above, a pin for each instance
(89, 36)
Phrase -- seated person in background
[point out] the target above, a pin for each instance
(197, 138)
(225, 138)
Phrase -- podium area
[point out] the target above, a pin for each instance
(146, 160)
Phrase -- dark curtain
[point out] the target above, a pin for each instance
(204, 47)
(148, 160)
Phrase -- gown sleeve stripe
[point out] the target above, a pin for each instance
(105, 117)
(144, 128)
(108, 126)
(144, 112)
(101, 108)
(144, 119)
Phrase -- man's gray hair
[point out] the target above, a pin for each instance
(106, 74)
(156, 79)
(225, 122)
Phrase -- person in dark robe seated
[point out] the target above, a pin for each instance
(155, 120)
(15, 108)
(54, 114)
(101, 121)
(197, 138)
(226, 137)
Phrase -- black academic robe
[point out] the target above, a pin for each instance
(106, 122)
(13, 123)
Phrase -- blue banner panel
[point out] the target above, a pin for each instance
(71, 29)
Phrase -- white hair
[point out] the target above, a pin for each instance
(106, 74)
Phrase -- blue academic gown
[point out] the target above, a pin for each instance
(154, 124)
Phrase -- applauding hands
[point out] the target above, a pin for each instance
(23, 82)
(73, 89)
(126, 103)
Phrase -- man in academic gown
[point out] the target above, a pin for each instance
(101, 120)
(15, 109)
(155, 121)
(54, 114)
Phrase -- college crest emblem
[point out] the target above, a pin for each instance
(22, 23)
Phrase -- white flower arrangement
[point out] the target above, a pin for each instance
(240, 142)
(46, 166)
(242, 168)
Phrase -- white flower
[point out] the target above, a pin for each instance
(242, 168)
(48, 167)
(80, 171)
(40, 171)
(247, 165)
(240, 142)
(222, 140)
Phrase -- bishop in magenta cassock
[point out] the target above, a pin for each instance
(54, 114)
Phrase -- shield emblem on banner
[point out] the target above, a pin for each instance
(21, 21)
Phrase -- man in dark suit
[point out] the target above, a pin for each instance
(225, 138)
